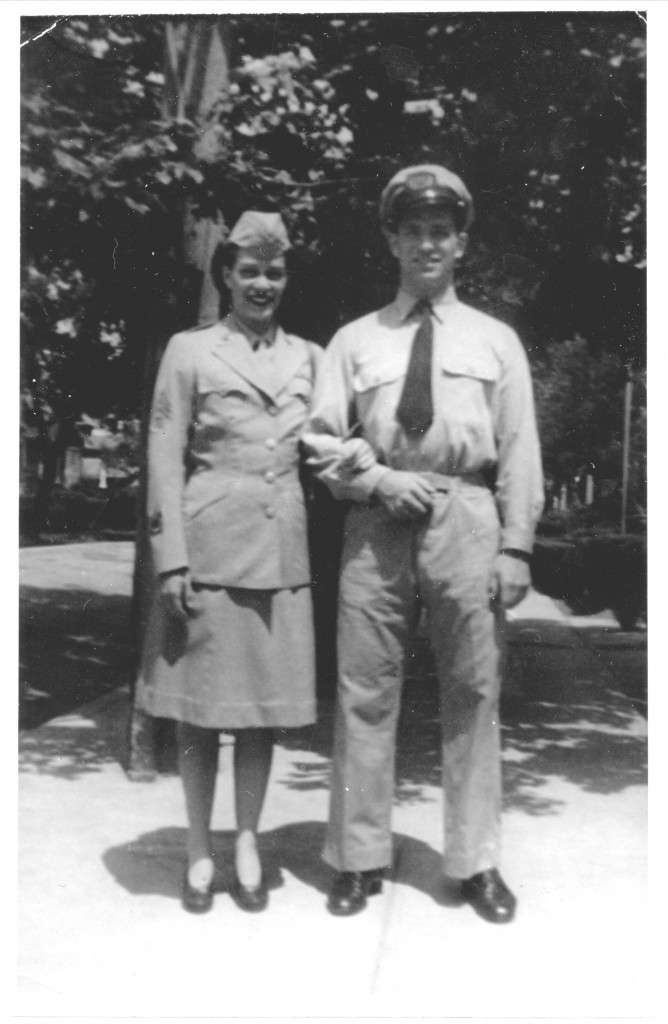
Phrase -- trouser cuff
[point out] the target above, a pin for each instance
(367, 859)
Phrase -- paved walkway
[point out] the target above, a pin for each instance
(101, 858)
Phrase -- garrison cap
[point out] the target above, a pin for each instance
(426, 185)
(263, 231)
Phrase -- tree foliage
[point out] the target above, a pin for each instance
(542, 114)
(580, 398)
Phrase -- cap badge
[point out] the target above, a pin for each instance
(421, 180)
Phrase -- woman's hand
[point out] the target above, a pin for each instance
(358, 455)
(176, 594)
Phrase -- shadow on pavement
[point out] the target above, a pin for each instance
(623, 654)
(153, 864)
(564, 714)
(74, 646)
(72, 746)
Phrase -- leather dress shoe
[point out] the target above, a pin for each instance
(350, 889)
(250, 898)
(196, 901)
(489, 896)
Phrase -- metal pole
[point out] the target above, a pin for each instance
(628, 396)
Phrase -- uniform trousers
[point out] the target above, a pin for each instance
(392, 569)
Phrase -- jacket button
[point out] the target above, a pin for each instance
(272, 410)
(271, 443)
(270, 512)
(270, 477)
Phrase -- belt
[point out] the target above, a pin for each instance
(444, 483)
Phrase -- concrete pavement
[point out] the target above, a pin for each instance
(101, 930)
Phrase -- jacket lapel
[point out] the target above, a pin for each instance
(234, 349)
(291, 355)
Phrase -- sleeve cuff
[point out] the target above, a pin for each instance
(517, 540)
(167, 561)
(365, 484)
(523, 556)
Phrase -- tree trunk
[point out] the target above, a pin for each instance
(52, 450)
(196, 72)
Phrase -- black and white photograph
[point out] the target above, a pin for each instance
(334, 323)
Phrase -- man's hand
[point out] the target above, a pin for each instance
(175, 594)
(405, 495)
(512, 579)
(358, 455)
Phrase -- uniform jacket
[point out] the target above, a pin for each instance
(483, 407)
(224, 496)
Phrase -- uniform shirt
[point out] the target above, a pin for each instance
(483, 407)
(224, 495)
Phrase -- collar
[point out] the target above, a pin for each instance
(256, 341)
(404, 303)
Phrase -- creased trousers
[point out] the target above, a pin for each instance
(390, 570)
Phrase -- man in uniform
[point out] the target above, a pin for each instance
(442, 395)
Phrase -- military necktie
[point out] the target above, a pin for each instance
(416, 406)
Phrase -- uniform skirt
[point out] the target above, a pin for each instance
(243, 659)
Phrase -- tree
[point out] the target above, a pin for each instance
(542, 113)
(123, 135)
(580, 402)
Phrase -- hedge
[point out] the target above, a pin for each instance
(593, 572)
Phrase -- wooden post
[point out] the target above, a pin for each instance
(626, 452)
(196, 72)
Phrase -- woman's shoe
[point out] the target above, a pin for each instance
(253, 899)
(196, 901)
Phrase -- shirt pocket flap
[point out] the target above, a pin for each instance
(371, 375)
(480, 365)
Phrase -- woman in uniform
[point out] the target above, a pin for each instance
(230, 643)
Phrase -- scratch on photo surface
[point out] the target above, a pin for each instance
(35, 38)
(642, 17)
(113, 255)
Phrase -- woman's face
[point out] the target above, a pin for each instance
(256, 286)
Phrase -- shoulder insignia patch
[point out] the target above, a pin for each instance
(155, 524)
(161, 410)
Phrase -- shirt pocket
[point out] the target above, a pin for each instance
(476, 366)
(465, 384)
(369, 376)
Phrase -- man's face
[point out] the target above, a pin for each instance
(256, 287)
(427, 245)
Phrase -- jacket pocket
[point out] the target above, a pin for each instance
(201, 496)
(239, 391)
(300, 387)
